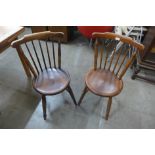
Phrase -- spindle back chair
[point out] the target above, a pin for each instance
(43, 58)
(105, 79)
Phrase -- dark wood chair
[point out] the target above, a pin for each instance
(146, 60)
(48, 76)
(106, 80)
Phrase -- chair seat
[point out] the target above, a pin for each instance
(51, 81)
(103, 83)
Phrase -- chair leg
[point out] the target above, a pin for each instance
(85, 90)
(44, 106)
(108, 108)
(135, 72)
(69, 89)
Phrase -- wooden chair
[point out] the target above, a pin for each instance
(146, 60)
(48, 76)
(106, 80)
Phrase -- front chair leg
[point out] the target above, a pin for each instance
(69, 89)
(85, 90)
(108, 108)
(44, 106)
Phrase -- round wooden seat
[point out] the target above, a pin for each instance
(51, 81)
(107, 82)
(103, 83)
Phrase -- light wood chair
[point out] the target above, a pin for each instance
(48, 76)
(106, 80)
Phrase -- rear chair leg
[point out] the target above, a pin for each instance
(135, 72)
(69, 89)
(85, 90)
(108, 108)
(44, 106)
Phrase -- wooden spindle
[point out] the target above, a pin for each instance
(59, 54)
(96, 54)
(112, 57)
(53, 51)
(119, 54)
(48, 54)
(32, 58)
(101, 56)
(42, 53)
(36, 55)
(127, 65)
(107, 51)
(126, 53)
(113, 53)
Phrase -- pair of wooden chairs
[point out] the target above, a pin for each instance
(51, 79)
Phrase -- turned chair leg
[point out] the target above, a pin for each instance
(85, 90)
(69, 89)
(108, 108)
(44, 106)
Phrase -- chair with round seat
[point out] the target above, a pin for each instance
(105, 79)
(43, 59)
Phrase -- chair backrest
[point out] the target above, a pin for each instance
(38, 53)
(118, 62)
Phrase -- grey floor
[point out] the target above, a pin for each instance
(20, 105)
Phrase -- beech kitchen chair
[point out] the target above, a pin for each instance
(48, 76)
(106, 80)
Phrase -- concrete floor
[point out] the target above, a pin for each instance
(20, 105)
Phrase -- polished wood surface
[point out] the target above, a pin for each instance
(64, 29)
(110, 35)
(103, 83)
(7, 35)
(38, 36)
(105, 79)
(43, 59)
(51, 81)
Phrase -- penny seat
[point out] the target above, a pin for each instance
(103, 82)
(51, 81)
